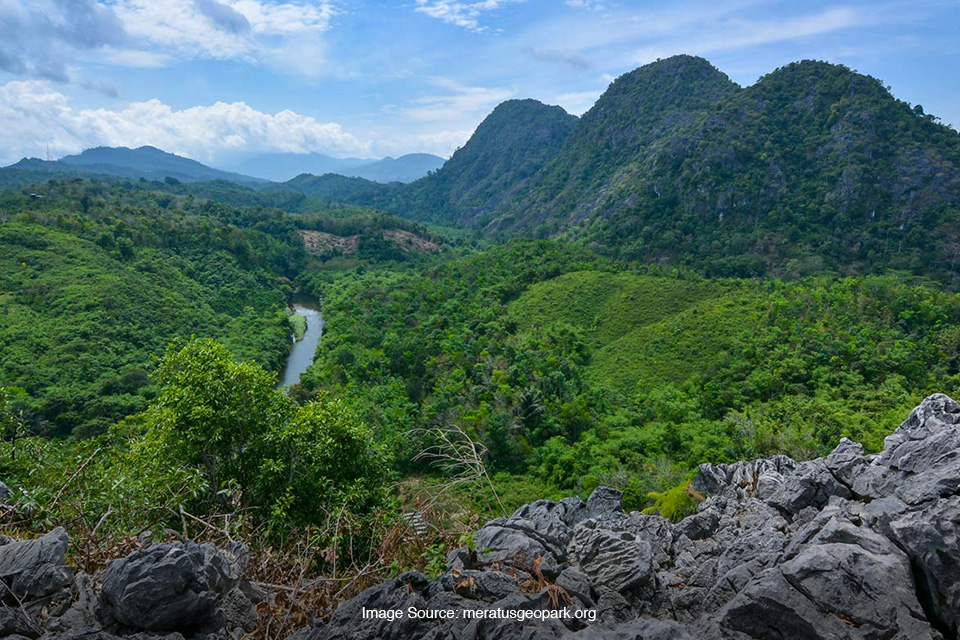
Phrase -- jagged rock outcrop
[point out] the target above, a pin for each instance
(33, 569)
(165, 591)
(852, 546)
(169, 587)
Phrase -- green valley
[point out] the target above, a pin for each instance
(691, 272)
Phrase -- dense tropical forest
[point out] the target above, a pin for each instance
(691, 272)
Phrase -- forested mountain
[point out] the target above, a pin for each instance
(150, 163)
(508, 148)
(813, 169)
(512, 144)
(640, 108)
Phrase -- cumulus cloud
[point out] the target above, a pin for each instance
(222, 16)
(461, 14)
(45, 38)
(37, 37)
(35, 116)
(457, 103)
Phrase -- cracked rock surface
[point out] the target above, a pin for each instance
(169, 591)
(850, 546)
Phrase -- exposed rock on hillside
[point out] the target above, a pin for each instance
(169, 586)
(325, 244)
(851, 546)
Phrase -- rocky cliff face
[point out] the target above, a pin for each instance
(852, 546)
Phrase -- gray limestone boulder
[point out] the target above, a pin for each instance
(851, 546)
(540, 530)
(35, 568)
(931, 539)
(617, 560)
(170, 586)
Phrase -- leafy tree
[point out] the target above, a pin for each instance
(317, 463)
(212, 411)
(296, 465)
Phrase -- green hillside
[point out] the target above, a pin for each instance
(609, 305)
(97, 280)
(815, 169)
(572, 371)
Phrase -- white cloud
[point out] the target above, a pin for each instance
(38, 38)
(286, 18)
(623, 38)
(461, 14)
(585, 4)
(44, 38)
(36, 116)
(578, 102)
(287, 36)
(179, 27)
(443, 143)
(459, 103)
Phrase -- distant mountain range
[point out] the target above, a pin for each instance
(150, 163)
(280, 167)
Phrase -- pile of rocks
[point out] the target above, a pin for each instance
(169, 590)
(851, 546)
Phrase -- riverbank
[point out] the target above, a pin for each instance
(307, 311)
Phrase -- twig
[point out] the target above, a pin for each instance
(103, 519)
(184, 512)
(72, 478)
(23, 609)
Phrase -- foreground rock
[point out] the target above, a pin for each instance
(35, 569)
(169, 591)
(852, 546)
(170, 587)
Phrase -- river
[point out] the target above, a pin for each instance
(303, 351)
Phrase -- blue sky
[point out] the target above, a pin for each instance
(220, 79)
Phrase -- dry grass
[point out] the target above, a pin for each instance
(303, 577)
